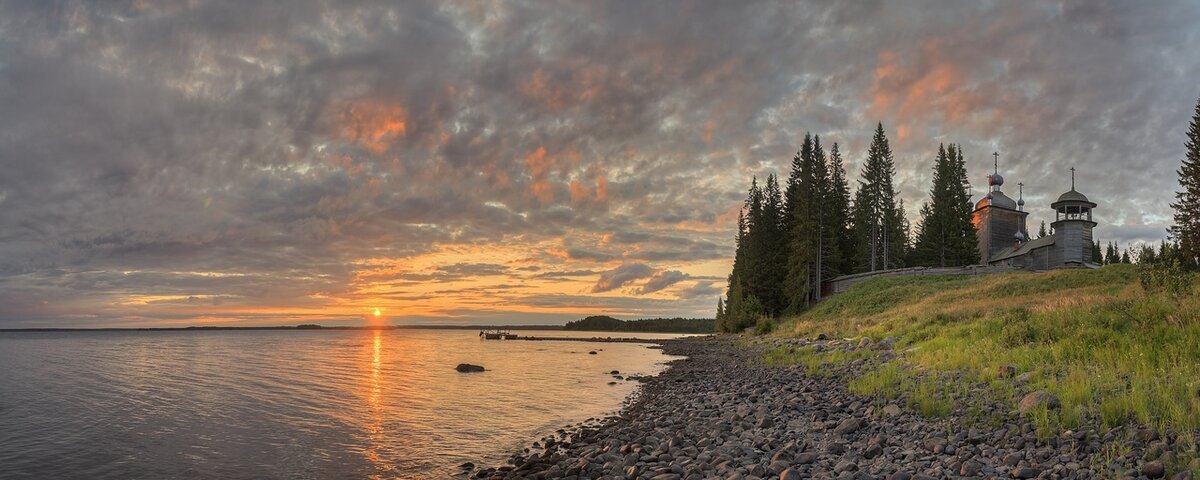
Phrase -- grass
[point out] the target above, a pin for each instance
(1110, 351)
(816, 364)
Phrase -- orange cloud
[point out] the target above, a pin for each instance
(374, 126)
(539, 165)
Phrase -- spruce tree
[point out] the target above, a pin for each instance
(1042, 230)
(1097, 257)
(802, 229)
(945, 235)
(838, 207)
(1186, 231)
(880, 237)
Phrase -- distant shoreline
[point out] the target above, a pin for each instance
(291, 327)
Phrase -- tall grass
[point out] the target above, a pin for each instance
(1109, 349)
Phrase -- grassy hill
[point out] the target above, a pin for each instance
(1112, 352)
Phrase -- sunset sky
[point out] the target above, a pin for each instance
(238, 163)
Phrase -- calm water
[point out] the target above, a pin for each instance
(291, 404)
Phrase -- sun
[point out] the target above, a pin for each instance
(377, 313)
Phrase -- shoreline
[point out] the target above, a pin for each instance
(720, 412)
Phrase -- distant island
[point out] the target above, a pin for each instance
(605, 323)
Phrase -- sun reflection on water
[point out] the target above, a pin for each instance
(375, 433)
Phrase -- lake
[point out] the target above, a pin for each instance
(293, 403)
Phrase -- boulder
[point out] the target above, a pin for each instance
(849, 425)
(468, 368)
(1154, 469)
(1040, 398)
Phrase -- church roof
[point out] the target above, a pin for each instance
(996, 199)
(1072, 196)
(1025, 248)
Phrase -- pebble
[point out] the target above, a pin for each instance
(720, 413)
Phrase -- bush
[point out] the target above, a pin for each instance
(764, 326)
(1165, 277)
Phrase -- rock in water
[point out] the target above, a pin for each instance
(468, 368)
(593, 352)
(1040, 398)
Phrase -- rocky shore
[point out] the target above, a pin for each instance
(722, 414)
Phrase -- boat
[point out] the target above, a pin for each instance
(497, 334)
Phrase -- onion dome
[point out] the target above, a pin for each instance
(1019, 236)
(995, 180)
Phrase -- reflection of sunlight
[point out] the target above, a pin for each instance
(375, 405)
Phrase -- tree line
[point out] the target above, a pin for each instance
(605, 323)
(792, 238)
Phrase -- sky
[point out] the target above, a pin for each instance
(454, 162)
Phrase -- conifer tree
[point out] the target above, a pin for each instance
(1186, 231)
(838, 206)
(880, 237)
(802, 229)
(945, 235)
(1097, 257)
(1042, 230)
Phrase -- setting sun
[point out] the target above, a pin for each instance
(377, 312)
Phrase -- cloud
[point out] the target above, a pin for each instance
(621, 276)
(333, 157)
(662, 280)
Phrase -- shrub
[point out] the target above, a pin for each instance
(1165, 277)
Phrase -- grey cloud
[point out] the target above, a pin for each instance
(663, 280)
(621, 276)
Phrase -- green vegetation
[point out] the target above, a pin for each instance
(604, 323)
(1112, 350)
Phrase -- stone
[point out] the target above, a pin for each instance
(1024, 378)
(864, 343)
(969, 468)
(615, 372)
(934, 444)
(872, 451)
(891, 410)
(849, 425)
(806, 458)
(1040, 398)
(900, 476)
(468, 368)
(1025, 472)
(593, 352)
(1184, 475)
(1013, 459)
(790, 474)
(1154, 469)
(467, 466)
(1007, 371)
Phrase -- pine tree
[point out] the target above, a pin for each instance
(945, 235)
(838, 206)
(1042, 230)
(1186, 230)
(880, 237)
(1111, 255)
(1097, 257)
(1125, 256)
